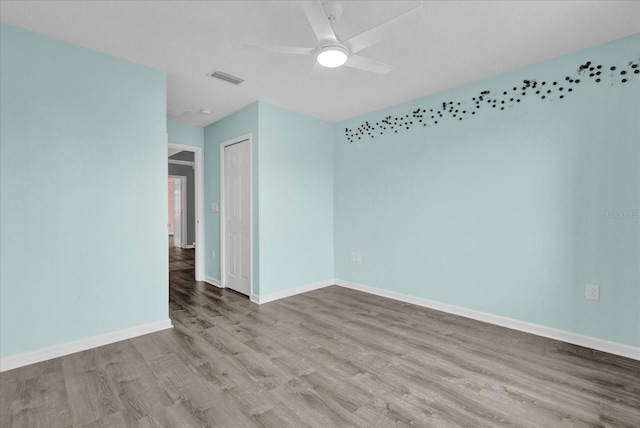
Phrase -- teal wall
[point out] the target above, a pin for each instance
(292, 158)
(244, 121)
(509, 212)
(83, 193)
(296, 199)
(504, 211)
(181, 133)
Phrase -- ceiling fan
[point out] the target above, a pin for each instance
(331, 51)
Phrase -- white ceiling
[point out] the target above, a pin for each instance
(457, 42)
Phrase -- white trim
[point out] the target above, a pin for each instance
(199, 192)
(20, 360)
(240, 139)
(184, 210)
(191, 246)
(182, 162)
(291, 292)
(212, 281)
(539, 330)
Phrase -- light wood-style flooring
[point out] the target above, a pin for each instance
(329, 358)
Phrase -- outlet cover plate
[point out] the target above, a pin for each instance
(592, 292)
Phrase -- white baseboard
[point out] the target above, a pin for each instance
(291, 292)
(20, 360)
(190, 247)
(213, 281)
(9, 363)
(539, 330)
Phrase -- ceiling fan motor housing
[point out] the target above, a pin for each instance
(333, 9)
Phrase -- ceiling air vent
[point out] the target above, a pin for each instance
(176, 111)
(226, 77)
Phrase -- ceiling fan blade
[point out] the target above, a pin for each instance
(366, 64)
(281, 49)
(318, 20)
(384, 30)
(316, 70)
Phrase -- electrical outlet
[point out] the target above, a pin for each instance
(592, 292)
(353, 256)
(359, 257)
(213, 254)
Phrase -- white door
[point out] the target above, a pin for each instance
(177, 213)
(237, 216)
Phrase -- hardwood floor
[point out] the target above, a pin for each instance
(329, 358)
(181, 259)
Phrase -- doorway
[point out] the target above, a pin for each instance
(192, 163)
(179, 215)
(235, 183)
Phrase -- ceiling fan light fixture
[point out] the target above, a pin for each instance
(332, 56)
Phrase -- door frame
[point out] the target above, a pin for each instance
(223, 255)
(184, 219)
(199, 202)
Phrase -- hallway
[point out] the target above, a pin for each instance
(181, 259)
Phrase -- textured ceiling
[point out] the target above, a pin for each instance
(457, 42)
